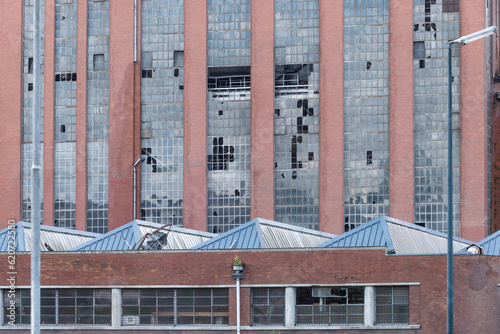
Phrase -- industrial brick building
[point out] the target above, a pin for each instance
(328, 290)
(318, 113)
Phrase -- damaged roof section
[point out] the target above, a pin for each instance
(262, 233)
(398, 237)
(51, 238)
(143, 235)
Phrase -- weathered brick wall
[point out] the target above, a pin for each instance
(475, 289)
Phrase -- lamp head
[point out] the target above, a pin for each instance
(476, 35)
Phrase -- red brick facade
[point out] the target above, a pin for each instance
(476, 279)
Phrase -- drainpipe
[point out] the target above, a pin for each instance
(135, 187)
(238, 275)
(135, 31)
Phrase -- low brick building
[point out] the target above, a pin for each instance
(355, 290)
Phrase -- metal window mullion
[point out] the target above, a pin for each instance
(56, 302)
(175, 307)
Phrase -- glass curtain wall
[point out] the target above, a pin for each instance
(435, 22)
(162, 110)
(296, 113)
(366, 111)
(228, 114)
(97, 115)
(65, 113)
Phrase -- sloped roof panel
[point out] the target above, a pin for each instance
(491, 244)
(372, 234)
(177, 237)
(121, 238)
(244, 236)
(58, 239)
(414, 240)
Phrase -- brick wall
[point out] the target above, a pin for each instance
(476, 278)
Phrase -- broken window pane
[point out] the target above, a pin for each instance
(435, 28)
(296, 116)
(98, 117)
(162, 111)
(65, 61)
(366, 112)
(228, 115)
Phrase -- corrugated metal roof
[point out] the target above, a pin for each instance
(262, 233)
(410, 240)
(491, 244)
(178, 237)
(130, 235)
(398, 236)
(372, 234)
(58, 239)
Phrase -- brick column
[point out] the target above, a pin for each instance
(401, 179)
(331, 97)
(195, 115)
(262, 93)
(121, 112)
(473, 128)
(10, 107)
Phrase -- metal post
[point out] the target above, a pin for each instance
(238, 327)
(449, 257)
(35, 177)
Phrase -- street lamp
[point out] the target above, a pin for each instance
(462, 40)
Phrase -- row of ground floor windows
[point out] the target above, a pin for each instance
(276, 306)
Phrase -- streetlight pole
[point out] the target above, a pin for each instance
(449, 300)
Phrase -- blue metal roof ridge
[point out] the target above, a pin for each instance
(103, 236)
(385, 234)
(260, 234)
(484, 243)
(226, 234)
(294, 227)
(21, 237)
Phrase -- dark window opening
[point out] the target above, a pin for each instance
(30, 65)
(369, 158)
(65, 77)
(291, 76)
(63, 128)
(422, 63)
(229, 78)
(176, 72)
(147, 73)
(221, 157)
(30, 86)
(368, 65)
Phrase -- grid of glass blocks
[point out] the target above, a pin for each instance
(162, 110)
(228, 163)
(27, 162)
(366, 111)
(27, 107)
(432, 29)
(97, 115)
(65, 184)
(296, 113)
(65, 114)
(97, 186)
(267, 306)
(228, 115)
(228, 35)
(177, 307)
(62, 307)
(392, 304)
(296, 31)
